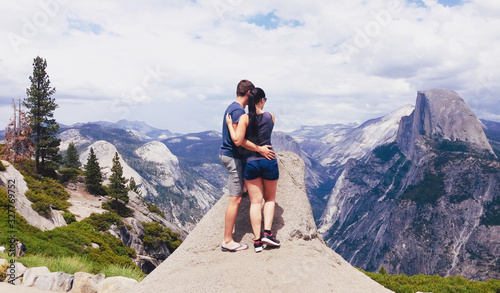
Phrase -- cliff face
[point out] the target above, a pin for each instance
(441, 113)
(427, 203)
(302, 264)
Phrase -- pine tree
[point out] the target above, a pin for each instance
(382, 270)
(18, 143)
(133, 186)
(117, 183)
(72, 159)
(93, 179)
(41, 108)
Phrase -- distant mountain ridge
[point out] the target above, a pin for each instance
(182, 194)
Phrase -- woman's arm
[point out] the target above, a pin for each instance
(237, 131)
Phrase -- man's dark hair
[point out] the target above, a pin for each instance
(243, 87)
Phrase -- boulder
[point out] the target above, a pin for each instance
(86, 283)
(14, 272)
(118, 284)
(146, 263)
(32, 274)
(58, 282)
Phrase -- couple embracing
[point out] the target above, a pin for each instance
(254, 169)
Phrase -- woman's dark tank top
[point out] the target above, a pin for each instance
(265, 126)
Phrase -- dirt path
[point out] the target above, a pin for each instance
(83, 203)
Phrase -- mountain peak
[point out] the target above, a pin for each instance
(441, 113)
(303, 263)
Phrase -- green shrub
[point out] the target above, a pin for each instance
(453, 146)
(154, 209)
(404, 284)
(382, 270)
(3, 271)
(116, 205)
(2, 167)
(155, 234)
(429, 190)
(68, 174)
(103, 221)
(45, 193)
(386, 152)
(4, 200)
(69, 217)
(27, 168)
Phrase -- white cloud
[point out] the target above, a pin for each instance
(176, 64)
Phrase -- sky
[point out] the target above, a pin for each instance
(175, 64)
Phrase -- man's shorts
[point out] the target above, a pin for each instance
(265, 169)
(235, 180)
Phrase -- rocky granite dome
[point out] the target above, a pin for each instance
(441, 113)
(427, 203)
(302, 264)
(105, 151)
(168, 164)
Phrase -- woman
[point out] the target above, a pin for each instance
(260, 174)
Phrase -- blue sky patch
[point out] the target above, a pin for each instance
(448, 3)
(84, 26)
(271, 21)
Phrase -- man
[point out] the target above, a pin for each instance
(19, 248)
(232, 158)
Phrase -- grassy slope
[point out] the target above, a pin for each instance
(68, 248)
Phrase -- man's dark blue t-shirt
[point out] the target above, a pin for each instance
(228, 147)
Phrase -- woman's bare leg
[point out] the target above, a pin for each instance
(269, 205)
(255, 194)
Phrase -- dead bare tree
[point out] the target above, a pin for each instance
(18, 143)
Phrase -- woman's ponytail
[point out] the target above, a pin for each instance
(254, 97)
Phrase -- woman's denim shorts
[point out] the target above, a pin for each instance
(265, 169)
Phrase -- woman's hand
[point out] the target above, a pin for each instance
(229, 120)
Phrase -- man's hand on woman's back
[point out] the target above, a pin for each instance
(266, 152)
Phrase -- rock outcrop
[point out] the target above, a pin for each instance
(302, 264)
(12, 177)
